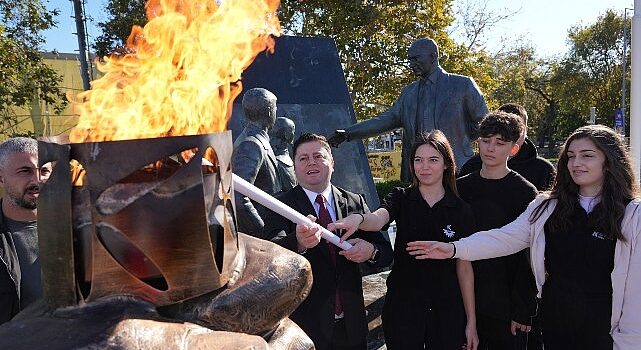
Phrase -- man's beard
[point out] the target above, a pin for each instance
(20, 201)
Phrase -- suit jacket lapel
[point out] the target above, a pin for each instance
(268, 149)
(443, 90)
(411, 103)
(340, 203)
(303, 205)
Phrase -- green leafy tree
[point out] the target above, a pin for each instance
(121, 16)
(590, 74)
(25, 77)
(521, 77)
(373, 38)
(558, 93)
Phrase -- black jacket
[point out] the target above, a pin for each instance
(315, 315)
(527, 163)
(504, 286)
(9, 274)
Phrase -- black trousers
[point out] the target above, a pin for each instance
(440, 330)
(443, 335)
(575, 320)
(535, 338)
(340, 340)
(494, 334)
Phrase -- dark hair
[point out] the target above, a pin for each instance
(507, 125)
(309, 137)
(516, 109)
(618, 188)
(436, 139)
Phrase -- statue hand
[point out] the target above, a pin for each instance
(337, 138)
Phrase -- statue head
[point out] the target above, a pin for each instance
(423, 56)
(283, 131)
(259, 106)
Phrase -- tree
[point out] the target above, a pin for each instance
(25, 77)
(373, 38)
(591, 71)
(558, 93)
(521, 77)
(122, 15)
(475, 19)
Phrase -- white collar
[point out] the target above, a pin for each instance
(589, 202)
(327, 194)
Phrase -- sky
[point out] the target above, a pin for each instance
(544, 23)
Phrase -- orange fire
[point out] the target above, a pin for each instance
(182, 73)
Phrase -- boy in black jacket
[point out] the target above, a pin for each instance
(537, 170)
(505, 296)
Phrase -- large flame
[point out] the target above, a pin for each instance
(181, 73)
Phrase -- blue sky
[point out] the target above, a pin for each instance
(542, 22)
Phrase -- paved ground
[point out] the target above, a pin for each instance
(374, 290)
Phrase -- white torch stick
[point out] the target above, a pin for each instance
(260, 196)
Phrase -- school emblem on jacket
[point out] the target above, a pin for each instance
(449, 233)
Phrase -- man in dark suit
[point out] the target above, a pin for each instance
(440, 100)
(333, 314)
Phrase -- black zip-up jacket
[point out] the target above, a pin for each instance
(538, 171)
(9, 274)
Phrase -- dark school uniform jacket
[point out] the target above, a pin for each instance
(504, 286)
(415, 286)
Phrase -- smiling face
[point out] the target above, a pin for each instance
(313, 165)
(20, 179)
(586, 166)
(428, 166)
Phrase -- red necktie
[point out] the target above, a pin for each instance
(324, 219)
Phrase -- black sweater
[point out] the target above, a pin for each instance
(504, 287)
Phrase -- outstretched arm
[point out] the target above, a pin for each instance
(431, 250)
(503, 241)
(386, 121)
(365, 222)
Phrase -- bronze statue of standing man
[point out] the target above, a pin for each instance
(436, 100)
(281, 136)
(254, 160)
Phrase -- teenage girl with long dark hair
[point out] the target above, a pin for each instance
(429, 304)
(583, 237)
